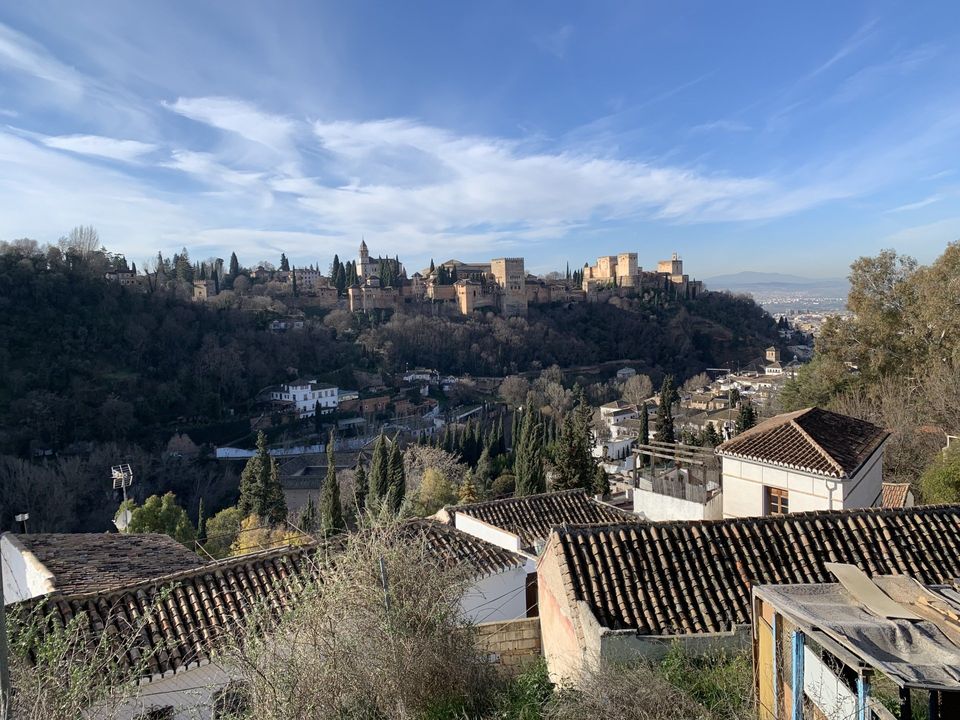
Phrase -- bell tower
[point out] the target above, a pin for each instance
(363, 267)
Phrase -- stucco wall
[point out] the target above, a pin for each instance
(744, 482)
(190, 693)
(484, 531)
(24, 576)
(560, 622)
(654, 506)
(497, 597)
(622, 645)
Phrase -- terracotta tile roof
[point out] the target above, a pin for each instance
(812, 440)
(894, 495)
(531, 517)
(695, 577)
(87, 562)
(191, 610)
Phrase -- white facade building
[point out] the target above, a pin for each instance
(811, 459)
(306, 394)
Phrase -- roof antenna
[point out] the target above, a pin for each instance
(122, 476)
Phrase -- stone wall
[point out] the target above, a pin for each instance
(513, 644)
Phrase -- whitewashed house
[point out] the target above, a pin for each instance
(811, 459)
(305, 395)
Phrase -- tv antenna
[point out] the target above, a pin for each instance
(122, 476)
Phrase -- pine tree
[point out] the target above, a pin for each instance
(710, 436)
(379, 480)
(331, 512)
(398, 478)
(644, 424)
(360, 488)
(664, 421)
(261, 493)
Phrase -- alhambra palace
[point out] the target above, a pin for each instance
(503, 285)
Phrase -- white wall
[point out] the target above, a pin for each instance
(190, 692)
(480, 529)
(654, 506)
(744, 482)
(497, 597)
(24, 576)
(826, 690)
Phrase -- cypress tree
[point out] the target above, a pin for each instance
(528, 466)
(260, 490)
(398, 478)
(599, 485)
(484, 471)
(644, 425)
(295, 290)
(379, 480)
(284, 263)
(746, 418)
(360, 488)
(308, 516)
(331, 512)
(664, 422)
(201, 523)
(234, 266)
(567, 472)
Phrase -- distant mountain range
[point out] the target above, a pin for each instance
(767, 283)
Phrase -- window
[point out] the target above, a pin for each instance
(778, 503)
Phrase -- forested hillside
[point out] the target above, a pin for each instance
(94, 373)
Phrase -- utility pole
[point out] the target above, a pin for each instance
(5, 689)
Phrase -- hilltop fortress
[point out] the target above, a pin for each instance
(504, 286)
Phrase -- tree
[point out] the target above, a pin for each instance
(360, 488)
(600, 484)
(261, 493)
(284, 263)
(941, 481)
(664, 421)
(637, 389)
(436, 491)
(309, 520)
(746, 418)
(163, 515)
(83, 241)
(379, 481)
(222, 530)
(710, 435)
(484, 469)
(514, 390)
(644, 424)
(468, 491)
(567, 475)
(528, 466)
(697, 382)
(331, 512)
(398, 478)
(234, 266)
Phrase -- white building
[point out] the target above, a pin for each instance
(306, 394)
(811, 459)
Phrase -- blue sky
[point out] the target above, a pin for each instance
(786, 137)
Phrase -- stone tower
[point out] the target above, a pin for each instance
(363, 267)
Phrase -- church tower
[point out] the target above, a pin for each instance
(363, 267)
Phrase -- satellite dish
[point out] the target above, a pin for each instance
(122, 520)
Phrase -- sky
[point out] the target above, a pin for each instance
(785, 137)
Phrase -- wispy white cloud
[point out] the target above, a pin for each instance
(929, 235)
(239, 117)
(916, 205)
(555, 43)
(861, 36)
(731, 126)
(125, 150)
(20, 54)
